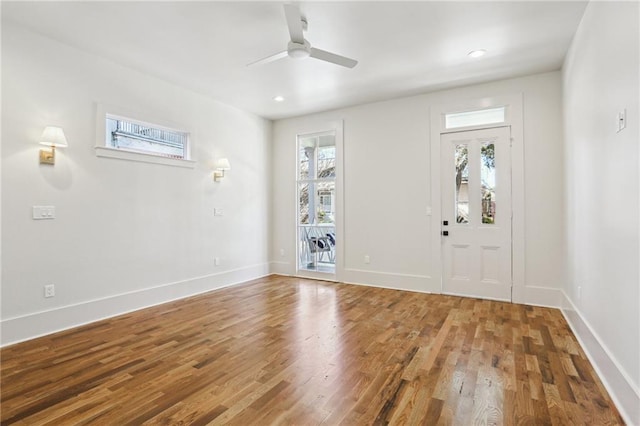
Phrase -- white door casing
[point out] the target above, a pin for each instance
(335, 128)
(476, 205)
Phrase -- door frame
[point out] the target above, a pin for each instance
(336, 126)
(514, 119)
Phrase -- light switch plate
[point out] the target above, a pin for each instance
(44, 212)
(218, 212)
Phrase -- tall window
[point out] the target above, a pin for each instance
(316, 201)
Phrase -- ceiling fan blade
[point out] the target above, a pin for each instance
(294, 22)
(268, 59)
(333, 58)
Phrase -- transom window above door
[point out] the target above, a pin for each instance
(480, 117)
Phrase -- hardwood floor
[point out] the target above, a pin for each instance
(291, 351)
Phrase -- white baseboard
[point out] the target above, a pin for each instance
(395, 281)
(26, 327)
(529, 295)
(548, 297)
(281, 268)
(391, 280)
(625, 395)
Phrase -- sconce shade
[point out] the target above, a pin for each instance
(223, 164)
(53, 136)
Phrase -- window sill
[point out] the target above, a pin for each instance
(102, 151)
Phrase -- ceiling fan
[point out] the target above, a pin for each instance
(298, 47)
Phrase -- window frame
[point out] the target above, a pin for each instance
(482, 125)
(104, 149)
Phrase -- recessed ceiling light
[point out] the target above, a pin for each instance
(477, 53)
(278, 98)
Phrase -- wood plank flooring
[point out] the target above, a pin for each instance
(290, 351)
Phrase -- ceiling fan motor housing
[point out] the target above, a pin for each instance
(298, 50)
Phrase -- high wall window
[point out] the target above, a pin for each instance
(134, 136)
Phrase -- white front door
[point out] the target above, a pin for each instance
(476, 213)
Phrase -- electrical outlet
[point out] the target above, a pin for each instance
(367, 259)
(218, 212)
(216, 261)
(281, 252)
(49, 290)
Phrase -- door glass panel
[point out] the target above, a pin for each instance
(306, 159)
(325, 202)
(462, 183)
(488, 181)
(303, 203)
(326, 158)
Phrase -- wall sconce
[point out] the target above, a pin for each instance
(221, 165)
(52, 137)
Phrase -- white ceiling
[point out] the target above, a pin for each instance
(403, 48)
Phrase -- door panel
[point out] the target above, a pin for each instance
(476, 205)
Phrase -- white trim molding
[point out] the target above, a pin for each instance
(624, 394)
(103, 151)
(281, 268)
(37, 324)
(392, 280)
(548, 297)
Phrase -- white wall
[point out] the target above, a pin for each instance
(601, 77)
(127, 234)
(387, 186)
